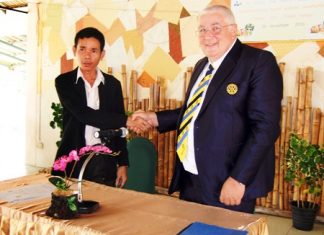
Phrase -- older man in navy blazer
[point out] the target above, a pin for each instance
(229, 157)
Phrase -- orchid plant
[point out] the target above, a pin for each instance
(63, 184)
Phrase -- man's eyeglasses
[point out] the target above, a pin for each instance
(215, 29)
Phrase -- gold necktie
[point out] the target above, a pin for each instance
(194, 102)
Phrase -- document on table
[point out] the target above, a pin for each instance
(208, 229)
(27, 193)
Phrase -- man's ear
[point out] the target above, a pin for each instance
(74, 50)
(103, 53)
(233, 30)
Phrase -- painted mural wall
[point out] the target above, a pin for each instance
(155, 38)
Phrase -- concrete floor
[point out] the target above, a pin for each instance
(283, 226)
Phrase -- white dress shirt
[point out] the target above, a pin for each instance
(189, 162)
(92, 94)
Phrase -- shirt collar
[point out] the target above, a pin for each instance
(99, 77)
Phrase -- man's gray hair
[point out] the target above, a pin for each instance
(225, 11)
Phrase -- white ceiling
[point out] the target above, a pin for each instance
(13, 33)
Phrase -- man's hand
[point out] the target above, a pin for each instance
(121, 176)
(232, 192)
(141, 121)
(150, 117)
(138, 125)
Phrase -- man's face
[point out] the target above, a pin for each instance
(88, 53)
(215, 35)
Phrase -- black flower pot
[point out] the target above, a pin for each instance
(303, 218)
(63, 207)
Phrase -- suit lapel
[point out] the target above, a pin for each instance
(222, 74)
(196, 72)
(80, 88)
(101, 90)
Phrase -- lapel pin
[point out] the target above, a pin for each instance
(231, 89)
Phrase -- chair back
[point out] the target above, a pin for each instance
(142, 157)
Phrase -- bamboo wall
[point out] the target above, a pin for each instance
(297, 115)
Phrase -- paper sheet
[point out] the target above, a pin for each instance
(27, 193)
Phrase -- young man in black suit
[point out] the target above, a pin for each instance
(92, 100)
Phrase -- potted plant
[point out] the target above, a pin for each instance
(305, 170)
(65, 201)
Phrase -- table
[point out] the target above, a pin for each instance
(121, 212)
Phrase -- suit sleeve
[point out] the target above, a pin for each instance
(263, 112)
(168, 120)
(72, 100)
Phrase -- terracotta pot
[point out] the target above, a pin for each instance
(303, 218)
(63, 207)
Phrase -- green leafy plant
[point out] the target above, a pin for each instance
(72, 203)
(57, 121)
(305, 168)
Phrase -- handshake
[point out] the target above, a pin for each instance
(141, 121)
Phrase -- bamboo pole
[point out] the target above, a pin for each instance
(297, 114)
(275, 190)
(110, 70)
(185, 86)
(316, 125)
(278, 193)
(166, 159)
(258, 201)
(172, 142)
(309, 84)
(321, 132)
(308, 103)
(321, 143)
(282, 67)
(161, 94)
(151, 98)
(130, 92)
(321, 212)
(124, 85)
(263, 201)
(141, 106)
(301, 120)
(307, 120)
(134, 89)
(149, 134)
(268, 200)
(287, 192)
(157, 139)
(162, 138)
(282, 156)
(160, 162)
(301, 101)
(156, 93)
(294, 115)
(187, 77)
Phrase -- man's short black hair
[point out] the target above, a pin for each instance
(90, 32)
